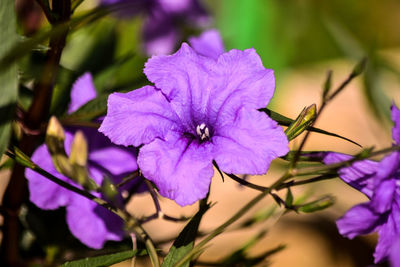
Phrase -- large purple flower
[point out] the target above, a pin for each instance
(200, 109)
(89, 222)
(160, 30)
(380, 182)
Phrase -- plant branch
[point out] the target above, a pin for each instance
(325, 100)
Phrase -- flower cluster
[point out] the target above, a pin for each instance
(89, 222)
(380, 182)
(203, 108)
(160, 31)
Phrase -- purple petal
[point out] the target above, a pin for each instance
(138, 117)
(82, 92)
(114, 159)
(396, 120)
(208, 44)
(383, 197)
(175, 6)
(44, 193)
(388, 233)
(250, 144)
(181, 169)
(388, 167)
(89, 226)
(359, 175)
(211, 89)
(359, 220)
(394, 253)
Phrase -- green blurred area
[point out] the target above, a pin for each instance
(295, 33)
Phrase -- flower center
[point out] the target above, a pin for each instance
(203, 132)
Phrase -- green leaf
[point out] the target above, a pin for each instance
(104, 260)
(319, 204)
(289, 198)
(185, 241)
(285, 121)
(90, 110)
(8, 75)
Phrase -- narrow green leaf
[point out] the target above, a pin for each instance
(289, 198)
(8, 76)
(185, 241)
(104, 260)
(319, 204)
(285, 121)
(90, 110)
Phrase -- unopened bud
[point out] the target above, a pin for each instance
(55, 137)
(359, 68)
(79, 150)
(54, 128)
(327, 85)
(305, 119)
(109, 189)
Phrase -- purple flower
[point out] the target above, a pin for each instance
(200, 109)
(208, 44)
(380, 182)
(92, 224)
(160, 31)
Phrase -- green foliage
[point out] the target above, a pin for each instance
(8, 76)
(319, 204)
(105, 260)
(185, 241)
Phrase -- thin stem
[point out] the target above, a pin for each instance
(246, 183)
(307, 181)
(159, 213)
(128, 178)
(154, 197)
(44, 4)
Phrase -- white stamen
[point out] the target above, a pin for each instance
(198, 131)
(202, 131)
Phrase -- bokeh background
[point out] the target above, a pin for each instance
(301, 40)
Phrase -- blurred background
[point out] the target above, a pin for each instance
(301, 40)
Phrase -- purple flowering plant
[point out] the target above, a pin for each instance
(379, 181)
(195, 112)
(90, 223)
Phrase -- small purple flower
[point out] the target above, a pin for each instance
(92, 224)
(200, 109)
(160, 32)
(380, 182)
